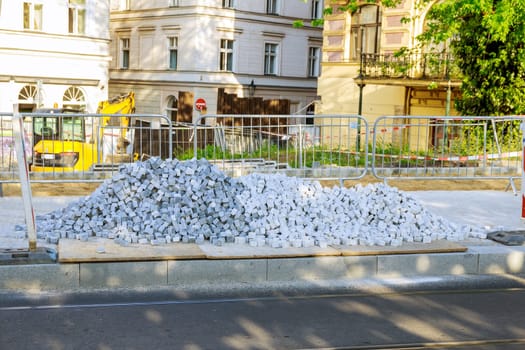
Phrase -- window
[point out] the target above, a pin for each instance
(365, 31)
(173, 3)
(314, 58)
(228, 3)
(310, 110)
(270, 59)
(72, 129)
(77, 16)
(272, 7)
(33, 16)
(28, 93)
(172, 49)
(317, 9)
(172, 108)
(124, 53)
(45, 128)
(28, 98)
(226, 55)
(74, 98)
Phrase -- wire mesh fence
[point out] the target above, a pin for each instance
(446, 147)
(324, 147)
(82, 147)
(91, 147)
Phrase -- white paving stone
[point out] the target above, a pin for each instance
(161, 202)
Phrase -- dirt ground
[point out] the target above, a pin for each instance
(82, 189)
(435, 185)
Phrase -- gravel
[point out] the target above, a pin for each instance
(166, 201)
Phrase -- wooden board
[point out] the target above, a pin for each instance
(70, 251)
(440, 246)
(245, 251)
(248, 252)
(74, 251)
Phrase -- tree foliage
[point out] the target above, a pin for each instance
(487, 39)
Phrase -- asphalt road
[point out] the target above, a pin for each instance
(468, 318)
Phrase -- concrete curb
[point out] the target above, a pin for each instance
(487, 208)
(477, 260)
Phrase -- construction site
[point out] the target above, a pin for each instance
(244, 189)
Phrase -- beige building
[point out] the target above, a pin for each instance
(358, 50)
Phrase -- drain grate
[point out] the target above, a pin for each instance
(25, 256)
(508, 237)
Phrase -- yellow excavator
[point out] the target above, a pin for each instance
(61, 144)
(115, 134)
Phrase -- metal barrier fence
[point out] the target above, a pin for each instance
(86, 148)
(72, 147)
(447, 147)
(320, 146)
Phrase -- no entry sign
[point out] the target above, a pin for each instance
(200, 104)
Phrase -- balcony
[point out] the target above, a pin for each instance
(407, 65)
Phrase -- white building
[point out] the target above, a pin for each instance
(173, 52)
(54, 53)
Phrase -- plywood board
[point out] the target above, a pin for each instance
(106, 250)
(245, 251)
(440, 246)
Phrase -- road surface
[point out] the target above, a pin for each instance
(468, 318)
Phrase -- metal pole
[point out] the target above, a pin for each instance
(496, 139)
(485, 130)
(300, 146)
(359, 113)
(170, 138)
(195, 144)
(522, 127)
(360, 103)
(25, 185)
(449, 95)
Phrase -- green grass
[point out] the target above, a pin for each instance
(386, 155)
(315, 156)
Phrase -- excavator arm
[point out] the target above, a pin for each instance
(114, 129)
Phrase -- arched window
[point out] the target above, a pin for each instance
(172, 108)
(28, 94)
(28, 98)
(74, 98)
(365, 31)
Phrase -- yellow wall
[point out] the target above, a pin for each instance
(337, 86)
(339, 89)
(339, 93)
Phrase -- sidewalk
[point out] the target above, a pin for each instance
(491, 209)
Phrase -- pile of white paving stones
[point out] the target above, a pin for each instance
(165, 201)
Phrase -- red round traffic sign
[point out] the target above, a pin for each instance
(200, 104)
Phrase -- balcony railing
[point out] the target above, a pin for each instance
(409, 66)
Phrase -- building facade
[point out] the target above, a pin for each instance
(54, 53)
(172, 53)
(358, 58)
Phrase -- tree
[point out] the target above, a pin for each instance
(487, 39)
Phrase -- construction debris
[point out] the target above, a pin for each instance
(165, 201)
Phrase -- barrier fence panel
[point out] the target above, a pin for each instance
(433, 147)
(70, 147)
(8, 160)
(321, 146)
(91, 147)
